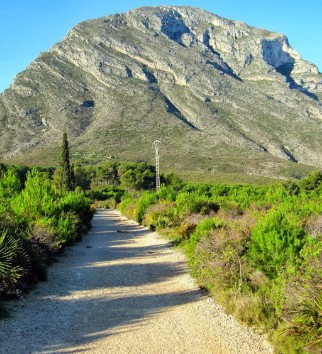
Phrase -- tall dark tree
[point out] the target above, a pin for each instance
(72, 176)
(67, 174)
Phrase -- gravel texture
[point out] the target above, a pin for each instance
(122, 290)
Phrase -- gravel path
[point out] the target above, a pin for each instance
(122, 290)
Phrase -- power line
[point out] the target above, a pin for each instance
(156, 145)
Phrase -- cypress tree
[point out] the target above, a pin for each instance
(67, 180)
(73, 177)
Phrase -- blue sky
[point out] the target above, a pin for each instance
(28, 27)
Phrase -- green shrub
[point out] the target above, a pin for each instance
(69, 228)
(35, 222)
(10, 185)
(113, 194)
(202, 229)
(311, 182)
(161, 215)
(11, 223)
(76, 202)
(276, 240)
(128, 206)
(191, 202)
(167, 193)
(37, 198)
(126, 200)
(43, 234)
(146, 199)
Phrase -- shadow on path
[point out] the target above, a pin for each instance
(105, 282)
(96, 317)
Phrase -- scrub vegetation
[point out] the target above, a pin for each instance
(36, 221)
(41, 212)
(256, 249)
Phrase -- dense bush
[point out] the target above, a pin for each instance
(277, 239)
(192, 202)
(108, 196)
(146, 199)
(36, 221)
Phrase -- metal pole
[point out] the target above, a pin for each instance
(156, 145)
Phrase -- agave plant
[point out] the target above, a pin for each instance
(306, 325)
(10, 269)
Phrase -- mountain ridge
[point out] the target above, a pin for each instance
(222, 96)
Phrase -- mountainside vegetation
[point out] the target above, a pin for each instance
(225, 99)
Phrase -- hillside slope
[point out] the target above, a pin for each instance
(222, 96)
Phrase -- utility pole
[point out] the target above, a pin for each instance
(156, 145)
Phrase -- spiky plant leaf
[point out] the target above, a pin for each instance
(10, 269)
(306, 325)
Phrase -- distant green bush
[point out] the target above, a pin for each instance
(146, 199)
(192, 202)
(203, 229)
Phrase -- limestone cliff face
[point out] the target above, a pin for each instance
(236, 43)
(220, 94)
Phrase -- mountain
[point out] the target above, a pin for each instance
(222, 96)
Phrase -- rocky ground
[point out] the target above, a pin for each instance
(122, 290)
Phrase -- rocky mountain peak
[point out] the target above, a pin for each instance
(220, 90)
(237, 43)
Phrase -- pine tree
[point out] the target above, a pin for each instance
(67, 180)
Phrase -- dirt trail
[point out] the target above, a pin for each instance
(122, 290)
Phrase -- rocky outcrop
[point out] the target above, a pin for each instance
(217, 92)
